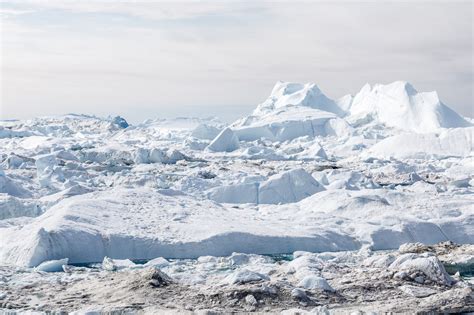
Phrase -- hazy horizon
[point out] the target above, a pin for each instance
(160, 59)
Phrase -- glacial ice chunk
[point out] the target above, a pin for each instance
(52, 265)
(287, 187)
(313, 282)
(225, 141)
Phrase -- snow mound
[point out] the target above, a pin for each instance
(225, 141)
(400, 105)
(450, 142)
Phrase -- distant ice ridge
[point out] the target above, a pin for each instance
(64, 125)
(295, 110)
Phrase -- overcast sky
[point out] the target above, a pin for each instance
(164, 59)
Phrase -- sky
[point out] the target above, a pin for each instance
(152, 59)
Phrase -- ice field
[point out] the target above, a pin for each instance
(334, 183)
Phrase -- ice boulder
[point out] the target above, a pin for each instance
(304, 265)
(11, 187)
(158, 263)
(141, 156)
(426, 266)
(157, 156)
(45, 161)
(145, 156)
(287, 187)
(225, 141)
(174, 156)
(312, 151)
(120, 122)
(242, 276)
(15, 161)
(52, 265)
(401, 106)
(110, 264)
(313, 282)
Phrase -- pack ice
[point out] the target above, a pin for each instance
(387, 166)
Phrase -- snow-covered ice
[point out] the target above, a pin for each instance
(302, 173)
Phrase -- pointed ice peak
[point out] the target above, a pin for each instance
(345, 102)
(286, 94)
(282, 88)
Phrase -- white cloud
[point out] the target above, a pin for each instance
(103, 57)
